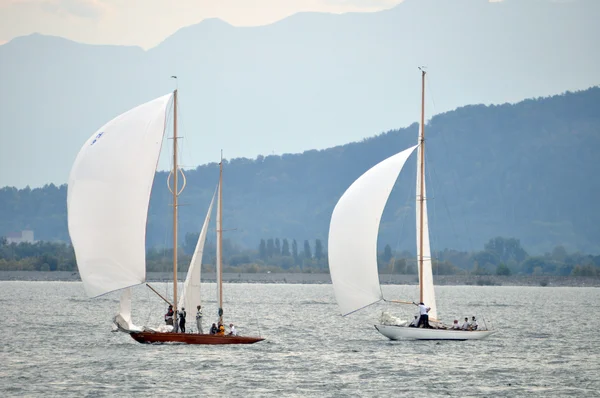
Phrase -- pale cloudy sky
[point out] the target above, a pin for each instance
(147, 22)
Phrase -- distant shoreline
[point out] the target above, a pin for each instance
(309, 278)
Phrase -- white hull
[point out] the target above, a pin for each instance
(403, 332)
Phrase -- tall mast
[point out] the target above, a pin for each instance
(220, 240)
(175, 193)
(421, 177)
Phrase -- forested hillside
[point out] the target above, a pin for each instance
(527, 170)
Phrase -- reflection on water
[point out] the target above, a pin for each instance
(56, 341)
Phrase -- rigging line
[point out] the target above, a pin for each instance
(429, 168)
(431, 207)
(166, 239)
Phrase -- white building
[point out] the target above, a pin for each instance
(20, 237)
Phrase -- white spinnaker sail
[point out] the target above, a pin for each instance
(427, 282)
(123, 318)
(108, 196)
(190, 297)
(353, 234)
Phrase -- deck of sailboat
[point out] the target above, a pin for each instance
(403, 332)
(191, 338)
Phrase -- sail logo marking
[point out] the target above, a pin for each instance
(97, 137)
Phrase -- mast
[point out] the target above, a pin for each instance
(175, 194)
(421, 177)
(220, 240)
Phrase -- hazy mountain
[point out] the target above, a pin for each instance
(528, 171)
(309, 81)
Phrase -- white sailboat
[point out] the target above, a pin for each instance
(352, 245)
(107, 202)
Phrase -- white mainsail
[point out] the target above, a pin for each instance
(353, 234)
(190, 296)
(108, 196)
(427, 282)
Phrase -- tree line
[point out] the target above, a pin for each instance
(500, 256)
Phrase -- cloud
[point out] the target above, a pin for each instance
(89, 9)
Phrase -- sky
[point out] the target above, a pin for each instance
(335, 97)
(146, 23)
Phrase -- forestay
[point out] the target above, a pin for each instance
(427, 282)
(353, 234)
(108, 196)
(190, 296)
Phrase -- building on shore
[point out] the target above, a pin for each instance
(25, 236)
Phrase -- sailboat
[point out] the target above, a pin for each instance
(352, 245)
(107, 202)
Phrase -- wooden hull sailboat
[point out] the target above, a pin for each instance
(352, 245)
(107, 202)
(190, 338)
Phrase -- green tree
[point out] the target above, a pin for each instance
(387, 254)
(529, 265)
(318, 249)
(585, 270)
(307, 251)
(486, 259)
(285, 248)
(262, 249)
(295, 252)
(502, 269)
(399, 265)
(559, 254)
(270, 247)
(478, 270)
(277, 247)
(506, 249)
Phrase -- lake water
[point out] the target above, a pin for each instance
(57, 342)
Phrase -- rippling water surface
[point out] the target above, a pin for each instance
(55, 341)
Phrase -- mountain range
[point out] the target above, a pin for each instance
(310, 81)
(527, 170)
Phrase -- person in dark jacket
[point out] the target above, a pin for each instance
(182, 315)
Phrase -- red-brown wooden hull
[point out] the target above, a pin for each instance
(191, 338)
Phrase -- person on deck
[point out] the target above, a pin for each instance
(169, 316)
(414, 322)
(473, 324)
(455, 325)
(465, 325)
(232, 330)
(182, 315)
(199, 319)
(221, 331)
(424, 318)
(214, 329)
